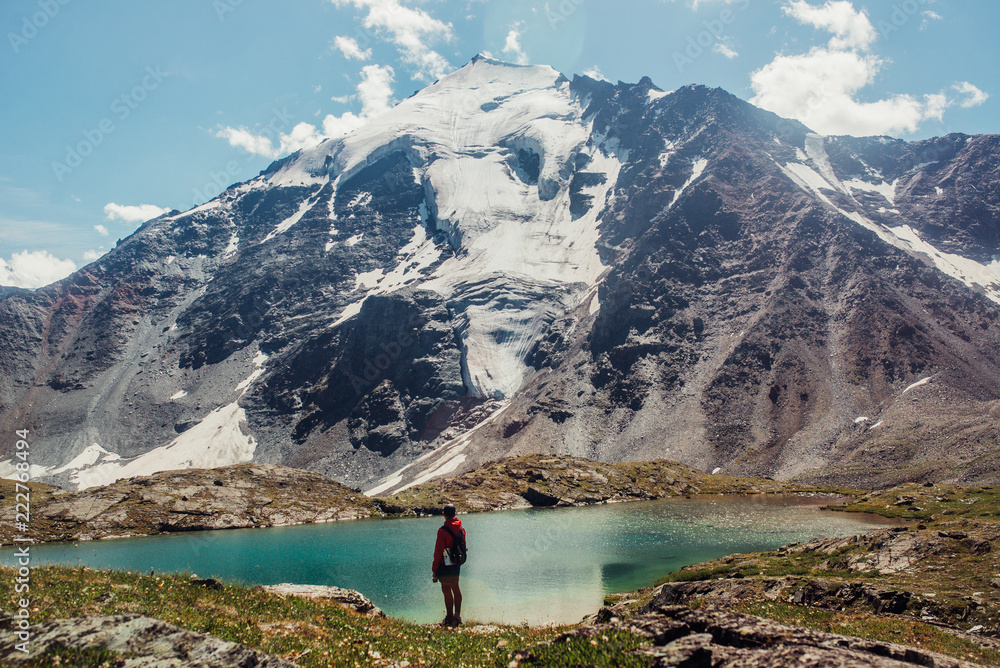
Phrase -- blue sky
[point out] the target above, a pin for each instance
(115, 110)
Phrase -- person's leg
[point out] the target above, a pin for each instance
(457, 596)
(449, 598)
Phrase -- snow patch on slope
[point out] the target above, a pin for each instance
(816, 150)
(985, 278)
(88, 457)
(234, 245)
(435, 464)
(652, 95)
(218, 440)
(919, 383)
(970, 272)
(287, 223)
(412, 261)
(469, 137)
(697, 168)
(886, 190)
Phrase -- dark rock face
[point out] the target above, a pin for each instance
(716, 286)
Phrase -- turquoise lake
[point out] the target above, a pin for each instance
(538, 566)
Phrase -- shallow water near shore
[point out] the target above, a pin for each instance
(538, 566)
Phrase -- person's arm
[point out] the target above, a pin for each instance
(439, 547)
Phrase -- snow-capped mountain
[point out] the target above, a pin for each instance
(508, 262)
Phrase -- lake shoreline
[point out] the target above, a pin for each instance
(262, 496)
(949, 538)
(531, 566)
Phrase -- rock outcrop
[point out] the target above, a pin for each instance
(137, 641)
(234, 497)
(348, 598)
(557, 481)
(682, 637)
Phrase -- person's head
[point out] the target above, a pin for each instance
(449, 511)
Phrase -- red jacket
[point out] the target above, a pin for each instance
(444, 540)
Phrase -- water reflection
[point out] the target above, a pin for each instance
(537, 565)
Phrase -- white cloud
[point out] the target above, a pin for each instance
(928, 17)
(303, 135)
(410, 30)
(512, 46)
(350, 48)
(725, 50)
(248, 141)
(851, 28)
(34, 269)
(975, 96)
(100, 229)
(132, 214)
(375, 93)
(375, 90)
(91, 255)
(595, 73)
(821, 87)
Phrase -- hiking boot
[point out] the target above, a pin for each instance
(448, 621)
(456, 621)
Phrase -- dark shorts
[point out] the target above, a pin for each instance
(450, 572)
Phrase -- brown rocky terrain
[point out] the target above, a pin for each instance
(932, 586)
(682, 637)
(234, 497)
(553, 481)
(263, 495)
(926, 593)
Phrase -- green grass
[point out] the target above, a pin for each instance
(78, 658)
(604, 650)
(308, 631)
(935, 502)
(871, 627)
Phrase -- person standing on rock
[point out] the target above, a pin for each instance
(449, 553)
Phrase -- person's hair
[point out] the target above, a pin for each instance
(449, 510)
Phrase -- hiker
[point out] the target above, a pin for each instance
(449, 553)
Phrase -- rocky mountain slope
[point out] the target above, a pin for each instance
(511, 262)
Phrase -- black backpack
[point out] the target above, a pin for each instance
(458, 552)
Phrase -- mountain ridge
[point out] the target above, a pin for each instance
(510, 262)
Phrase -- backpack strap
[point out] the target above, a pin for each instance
(454, 538)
